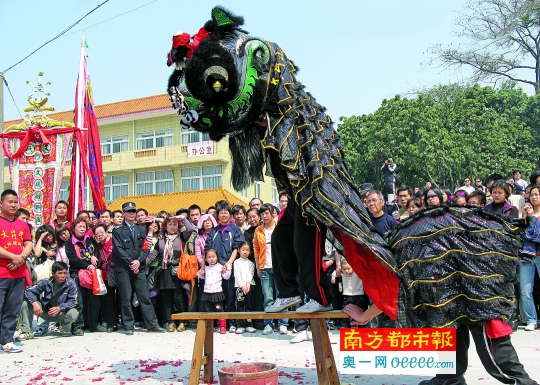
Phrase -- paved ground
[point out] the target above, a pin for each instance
(148, 358)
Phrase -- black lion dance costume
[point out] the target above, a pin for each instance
(438, 268)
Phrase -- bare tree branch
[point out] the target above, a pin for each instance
(501, 40)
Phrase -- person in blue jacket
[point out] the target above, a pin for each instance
(52, 299)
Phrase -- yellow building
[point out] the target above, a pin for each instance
(144, 151)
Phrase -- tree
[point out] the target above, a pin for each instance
(443, 136)
(502, 41)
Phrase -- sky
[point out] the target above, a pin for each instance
(352, 54)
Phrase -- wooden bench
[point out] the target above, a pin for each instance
(203, 350)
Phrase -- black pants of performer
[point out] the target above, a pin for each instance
(293, 252)
(127, 283)
(109, 314)
(169, 299)
(496, 354)
(300, 324)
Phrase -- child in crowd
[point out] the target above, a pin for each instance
(353, 290)
(213, 296)
(414, 206)
(244, 271)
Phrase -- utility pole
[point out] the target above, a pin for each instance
(2, 125)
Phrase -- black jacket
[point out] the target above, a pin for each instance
(126, 249)
(87, 248)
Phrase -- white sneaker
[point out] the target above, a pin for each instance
(268, 329)
(281, 304)
(301, 337)
(313, 307)
(240, 330)
(530, 327)
(232, 329)
(10, 347)
(251, 329)
(283, 329)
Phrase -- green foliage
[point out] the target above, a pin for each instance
(444, 135)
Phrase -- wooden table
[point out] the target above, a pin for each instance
(203, 350)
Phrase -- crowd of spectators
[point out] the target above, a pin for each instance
(139, 255)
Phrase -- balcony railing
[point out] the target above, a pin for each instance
(145, 153)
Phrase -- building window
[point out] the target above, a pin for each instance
(64, 190)
(154, 139)
(275, 197)
(258, 190)
(154, 182)
(192, 136)
(200, 178)
(114, 144)
(116, 185)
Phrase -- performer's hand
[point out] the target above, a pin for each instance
(338, 271)
(91, 267)
(94, 261)
(333, 280)
(356, 313)
(201, 272)
(224, 269)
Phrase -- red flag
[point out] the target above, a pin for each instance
(87, 147)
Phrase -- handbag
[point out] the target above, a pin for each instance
(153, 276)
(98, 284)
(44, 270)
(111, 273)
(86, 279)
(188, 269)
(188, 266)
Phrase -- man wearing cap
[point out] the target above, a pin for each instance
(364, 189)
(130, 250)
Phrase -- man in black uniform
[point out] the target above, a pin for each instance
(130, 250)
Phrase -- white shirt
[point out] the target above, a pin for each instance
(469, 189)
(244, 270)
(352, 284)
(268, 260)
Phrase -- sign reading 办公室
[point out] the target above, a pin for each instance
(404, 351)
(200, 148)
